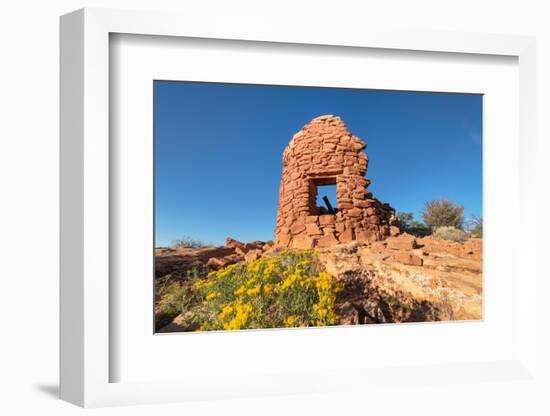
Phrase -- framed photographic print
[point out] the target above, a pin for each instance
(290, 212)
(319, 248)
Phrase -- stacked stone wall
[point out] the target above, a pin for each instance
(324, 152)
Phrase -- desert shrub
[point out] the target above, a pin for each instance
(450, 233)
(173, 297)
(443, 213)
(188, 242)
(476, 226)
(193, 273)
(409, 224)
(289, 290)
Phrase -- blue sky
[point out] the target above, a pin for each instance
(218, 151)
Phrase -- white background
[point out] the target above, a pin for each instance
(29, 209)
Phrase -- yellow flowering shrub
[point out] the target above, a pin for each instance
(289, 290)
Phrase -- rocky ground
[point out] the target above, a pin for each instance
(400, 279)
(404, 279)
(179, 262)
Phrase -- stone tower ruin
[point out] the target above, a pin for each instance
(323, 153)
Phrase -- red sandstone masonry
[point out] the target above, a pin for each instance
(324, 152)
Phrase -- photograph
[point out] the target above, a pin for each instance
(280, 206)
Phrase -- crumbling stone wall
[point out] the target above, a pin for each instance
(324, 152)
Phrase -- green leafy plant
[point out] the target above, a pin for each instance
(443, 213)
(476, 226)
(409, 224)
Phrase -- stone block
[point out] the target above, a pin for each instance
(327, 240)
(408, 258)
(394, 231)
(363, 235)
(346, 236)
(302, 242)
(400, 243)
(313, 229)
(297, 228)
(326, 219)
(354, 212)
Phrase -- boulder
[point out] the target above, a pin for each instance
(297, 228)
(313, 229)
(232, 243)
(408, 258)
(326, 219)
(302, 242)
(253, 255)
(346, 236)
(402, 242)
(327, 240)
(394, 231)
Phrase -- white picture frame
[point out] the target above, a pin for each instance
(86, 356)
